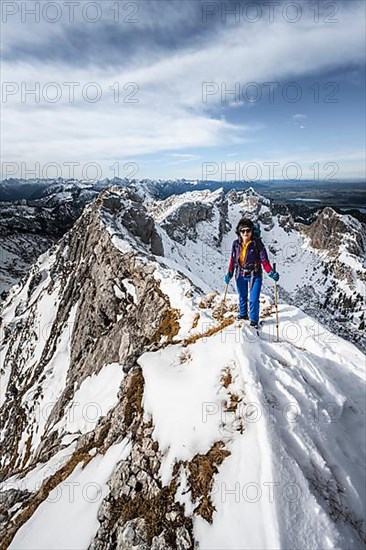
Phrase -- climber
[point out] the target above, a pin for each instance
(248, 254)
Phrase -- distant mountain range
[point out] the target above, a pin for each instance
(345, 194)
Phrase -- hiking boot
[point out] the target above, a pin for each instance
(242, 318)
(254, 324)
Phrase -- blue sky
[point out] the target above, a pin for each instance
(162, 55)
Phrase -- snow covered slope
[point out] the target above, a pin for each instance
(136, 414)
(292, 416)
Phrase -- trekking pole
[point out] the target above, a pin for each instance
(276, 304)
(223, 301)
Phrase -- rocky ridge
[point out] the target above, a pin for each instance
(82, 288)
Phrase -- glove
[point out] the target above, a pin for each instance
(228, 277)
(274, 275)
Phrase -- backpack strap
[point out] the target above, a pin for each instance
(256, 249)
(257, 254)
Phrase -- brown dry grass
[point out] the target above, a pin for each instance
(133, 400)
(235, 399)
(267, 311)
(185, 356)
(153, 510)
(195, 320)
(226, 377)
(169, 326)
(194, 337)
(202, 469)
(207, 300)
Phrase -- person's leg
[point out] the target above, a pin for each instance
(242, 287)
(254, 299)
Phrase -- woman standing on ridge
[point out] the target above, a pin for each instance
(248, 255)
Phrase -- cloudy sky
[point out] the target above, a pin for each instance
(181, 88)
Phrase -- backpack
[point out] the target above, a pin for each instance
(256, 237)
(257, 230)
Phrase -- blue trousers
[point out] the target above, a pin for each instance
(242, 284)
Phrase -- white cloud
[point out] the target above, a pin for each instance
(181, 157)
(298, 120)
(170, 115)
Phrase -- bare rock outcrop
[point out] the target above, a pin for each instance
(88, 272)
(330, 230)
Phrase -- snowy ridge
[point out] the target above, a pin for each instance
(204, 434)
(161, 209)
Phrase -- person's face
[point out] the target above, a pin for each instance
(245, 233)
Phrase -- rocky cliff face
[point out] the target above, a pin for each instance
(83, 275)
(30, 227)
(92, 302)
(340, 240)
(181, 216)
(331, 232)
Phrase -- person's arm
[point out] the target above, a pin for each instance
(231, 267)
(231, 262)
(266, 264)
(264, 257)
